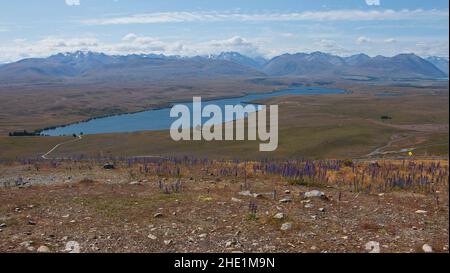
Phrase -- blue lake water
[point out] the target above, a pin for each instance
(159, 119)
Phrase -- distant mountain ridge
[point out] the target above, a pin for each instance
(439, 62)
(257, 62)
(327, 65)
(90, 66)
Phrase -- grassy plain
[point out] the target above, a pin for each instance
(325, 126)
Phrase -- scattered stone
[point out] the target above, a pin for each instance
(135, 183)
(158, 215)
(31, 223)
(286, 226)
(2, 225)
(233, 243)
(373, 247)
(321, 209)
(109, 166)
(203, 235)
(279, 215)
(287, 191)
(286, 200)
(427, 248)
(421, 211)
(245, 193)
(250, 194)
(31, 248)
(308, 206)
(229, 244)
(43, 249)
(314, 193)
(236, 200)
(152, 237)
(72, 247)
(26, 244)
(167, 242)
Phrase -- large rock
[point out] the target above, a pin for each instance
(43, 249)
(373, 247)
(72, 247)
(314, 193)
(427, 248)
(109, 166)
(279, 215)
(249, 194)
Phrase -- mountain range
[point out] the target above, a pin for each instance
(90, 66)
(439, 62)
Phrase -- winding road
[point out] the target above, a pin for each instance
(44, 156)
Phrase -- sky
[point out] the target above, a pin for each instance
(39, 28)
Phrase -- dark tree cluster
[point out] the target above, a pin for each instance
(23, 133)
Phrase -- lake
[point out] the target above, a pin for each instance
(159, 119)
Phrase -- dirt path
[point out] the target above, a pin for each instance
(425, 128)
(44, 156)
(394, 138)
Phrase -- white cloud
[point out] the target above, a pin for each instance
(331, 15)
(287, 35)
(4, 28)
(373, 2)
(363, 40)
(430, 48)
(331, 46)
(138, 44)
(129, 44)
(73, 2)
(327, 43)
(236, 43)
(390, 40)
(129, 37)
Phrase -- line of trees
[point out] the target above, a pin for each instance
(23, 133)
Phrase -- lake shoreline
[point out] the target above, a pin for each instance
(316, 89)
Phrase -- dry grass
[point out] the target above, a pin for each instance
(113, 215)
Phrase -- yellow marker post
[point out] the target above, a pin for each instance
(410, 153)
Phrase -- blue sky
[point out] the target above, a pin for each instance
(38, 28)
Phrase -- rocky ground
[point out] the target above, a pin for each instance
(76, 207)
